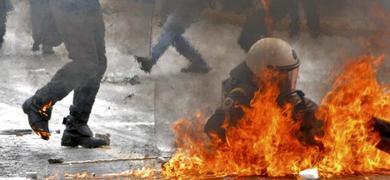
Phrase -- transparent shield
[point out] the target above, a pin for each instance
(129, 25)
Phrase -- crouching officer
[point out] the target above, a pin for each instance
(82, 28)
(241, 87)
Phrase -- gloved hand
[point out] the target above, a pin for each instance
(214, 124)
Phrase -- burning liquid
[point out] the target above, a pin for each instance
(262, 143)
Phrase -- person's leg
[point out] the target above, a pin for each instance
(77, 25)
(312, 17)
(177, 22)
(37, 12)
(77, 131)
(49, 32)
(164, 41)
(3, 21)
(198, 64)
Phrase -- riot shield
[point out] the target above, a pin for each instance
(129, 25)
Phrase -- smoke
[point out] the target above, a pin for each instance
(345, 25)
(345, 30)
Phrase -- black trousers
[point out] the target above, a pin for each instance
(82, 28)
(3, 21)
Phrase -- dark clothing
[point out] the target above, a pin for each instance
(183, 15)
(82, 28)
(240, 89)
(5, 7)
(255, 27)
(44, 28)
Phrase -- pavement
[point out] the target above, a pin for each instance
(138, 117)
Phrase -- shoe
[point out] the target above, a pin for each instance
(38, 117)
(146, 64)
(78, 133)
(47, 50)
(35, 47)
(196, 68)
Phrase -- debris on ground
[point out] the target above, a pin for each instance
(31, 175)
(16, 132)
(56, 160)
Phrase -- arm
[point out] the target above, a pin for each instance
(234, 94)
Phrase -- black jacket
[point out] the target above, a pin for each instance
(240, 89)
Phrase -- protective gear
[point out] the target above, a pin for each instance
(304, 113)
(242, 85)
(77, 132)
(82, 27)
(276, 54)
(271, 53)
(39, 114)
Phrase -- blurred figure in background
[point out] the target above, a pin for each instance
(5, 7)
(255, 26)
(44, 29)
(81, 25)
(183, 14)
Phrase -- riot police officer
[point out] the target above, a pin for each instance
(242, 85)
(82, 28)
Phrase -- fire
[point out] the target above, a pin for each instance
(44, 110)
(263, 142)
(348, 111)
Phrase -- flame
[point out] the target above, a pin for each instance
(268, 18)
(348, 111)
(264, 143)
(44, 110)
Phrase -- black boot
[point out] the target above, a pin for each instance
(47, 50)
(196, 68)
(35, 47)
(1, 42)
(77, 133)
(38, 116)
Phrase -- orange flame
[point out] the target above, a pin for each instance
(263, 141)
(45, 108)
(263, 144)
(348, 111)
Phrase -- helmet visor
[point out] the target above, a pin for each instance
(288, 81)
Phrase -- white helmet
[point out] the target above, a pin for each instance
(271, 52)
(277, 54)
